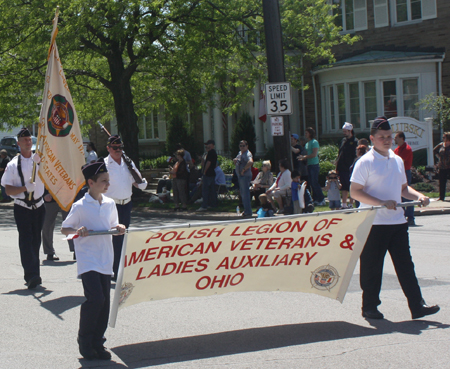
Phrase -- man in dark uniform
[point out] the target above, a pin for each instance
(28, 214)
(346, 157)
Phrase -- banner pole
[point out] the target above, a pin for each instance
(118, 289)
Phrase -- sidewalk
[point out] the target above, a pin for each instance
(436, 207)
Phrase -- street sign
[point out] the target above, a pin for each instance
(277, 126)
(278, 98)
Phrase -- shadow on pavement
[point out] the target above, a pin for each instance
(56, 306)
(145, 354)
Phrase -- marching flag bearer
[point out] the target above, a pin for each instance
(28, 213)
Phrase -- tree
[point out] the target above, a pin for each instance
(243, 130)
(440, 105)
(124, 57)
(176, 133)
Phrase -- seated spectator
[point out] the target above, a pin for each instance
(301, 197)
(164, 182)
(266, 209)
(220, 176)
(262, 182)
(280, 187)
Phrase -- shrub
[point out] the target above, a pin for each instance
(226, 164)
(325, 167)
(423, 187)
(328, 153)
(160, 162)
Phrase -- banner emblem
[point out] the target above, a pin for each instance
(60, 116)
(324, 277)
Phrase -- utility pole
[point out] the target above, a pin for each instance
(275, 66)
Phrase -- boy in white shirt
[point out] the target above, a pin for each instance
(379, 179)
(95, 256)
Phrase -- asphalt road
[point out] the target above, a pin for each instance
(239, 330)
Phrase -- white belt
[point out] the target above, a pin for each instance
(122, 202)
(22, 203)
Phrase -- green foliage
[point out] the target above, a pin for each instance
(160, 162)
(440, 106)
(325, 167)
(243, 130)
(421, 169)
(328, 153)
(424, 187)
(226, 164)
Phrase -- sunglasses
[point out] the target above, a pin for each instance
(115, 148)
(242, 145)
(332, 177)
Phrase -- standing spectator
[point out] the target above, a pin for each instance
(360, 151)
(180, 177)
(346, 157)
(3, 164)
(442, 151)
(91, 153)
(303, 164)
(312, 156)
(295, 185)
(280, 186)
(379, 179)
(187, 156)
(333, 186)
(243, 162)
(262, 182)
(28, 214)
(296, 149)
(405, 152)
(209, 163)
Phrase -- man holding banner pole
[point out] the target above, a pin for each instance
(379, 179)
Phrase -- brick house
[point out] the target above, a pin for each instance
(399, 60)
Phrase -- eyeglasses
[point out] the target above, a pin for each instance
(242, 145)
(332, 177)
(115, 148)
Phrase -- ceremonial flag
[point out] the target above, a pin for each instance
(314, 253)
(60, 145)
(262, 106)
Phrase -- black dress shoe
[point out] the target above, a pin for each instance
(372, 314)
(424, 310)
(34, 282)
(52, 257)
(102, 354)
(86, 350)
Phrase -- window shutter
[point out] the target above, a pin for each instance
(429, 10)
(381, 14)
(360, 14)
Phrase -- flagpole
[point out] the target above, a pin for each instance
(54, 33)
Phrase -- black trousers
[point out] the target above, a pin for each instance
(443, 175)
(124, 212)
(392, 238)
(29, 225)
(94, 313)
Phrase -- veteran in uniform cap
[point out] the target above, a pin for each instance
(28, 214)
(120, 190)
(379, 179)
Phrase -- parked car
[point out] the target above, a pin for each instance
(9, 143)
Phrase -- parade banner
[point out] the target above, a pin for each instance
(316, 253)
(60, 145)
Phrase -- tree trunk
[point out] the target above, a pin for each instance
(124, 107)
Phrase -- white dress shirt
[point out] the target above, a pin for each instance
(120, 179)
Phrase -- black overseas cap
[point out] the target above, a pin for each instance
(24, 132)
(381, 123)
(114, 140)
(91, 169)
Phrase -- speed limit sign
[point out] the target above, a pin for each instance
(278, 98)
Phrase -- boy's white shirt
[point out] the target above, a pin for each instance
(94, 253)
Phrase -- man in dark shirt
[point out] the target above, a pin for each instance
(346, 157)
(209, 193)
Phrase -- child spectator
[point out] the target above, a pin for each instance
(266, 209)
(95, 256)
(333, 186)
(301, 197)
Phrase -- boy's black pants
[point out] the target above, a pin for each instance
(94, 312)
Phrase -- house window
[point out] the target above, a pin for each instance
(389, 99)
(351, 15)
(410, 98)
(355, 114)
(411, 10)
(332, 112)
(370, 100)
(341, 104)
(148, 126)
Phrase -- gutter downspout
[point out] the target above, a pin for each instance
(441, 126)
(303, 98)
(316, 114)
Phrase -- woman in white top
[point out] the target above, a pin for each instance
(91, 153)
(280, 186)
